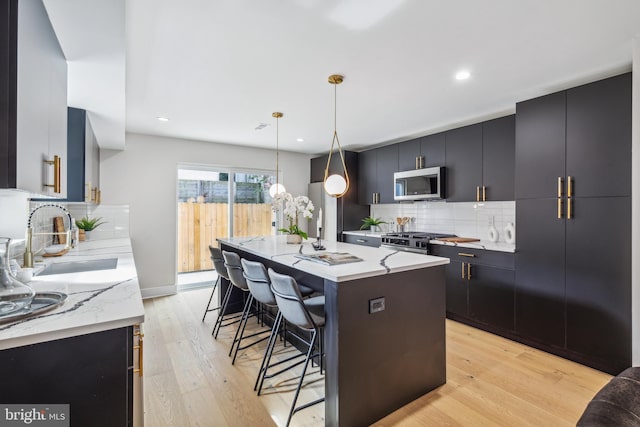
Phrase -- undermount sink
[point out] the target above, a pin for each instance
(80, 266)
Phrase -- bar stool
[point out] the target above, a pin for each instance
(236, 275)
(259, 284)
(223, 316)
(218, 266)
(306, 316)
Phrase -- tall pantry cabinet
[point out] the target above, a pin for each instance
(573, 216)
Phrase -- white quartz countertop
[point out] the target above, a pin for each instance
(97, 300)
(375, 261)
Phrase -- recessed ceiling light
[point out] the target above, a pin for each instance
(261, 126)
(463, 75)
(162, 119)
(300, 139)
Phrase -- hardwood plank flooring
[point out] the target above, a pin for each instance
(491, 381)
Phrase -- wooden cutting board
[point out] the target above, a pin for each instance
(458, 239)
(58, 227)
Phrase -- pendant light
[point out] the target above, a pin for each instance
(336, 185)
(277, 188)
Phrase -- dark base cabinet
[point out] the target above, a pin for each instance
(362, 240)
(480, 287)
(92, 373)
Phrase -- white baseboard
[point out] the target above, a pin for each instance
(159, 291)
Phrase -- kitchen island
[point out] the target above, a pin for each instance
(385, 322)
(82, 352)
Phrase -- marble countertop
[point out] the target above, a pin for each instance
(97, 300)
(375, 261)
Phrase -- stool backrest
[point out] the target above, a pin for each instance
(218, 262)
(234, 269)
(258, 281)
(289, 300)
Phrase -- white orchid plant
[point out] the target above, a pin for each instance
(293, 207)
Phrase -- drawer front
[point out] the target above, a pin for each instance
(362, 240)
(499, 259)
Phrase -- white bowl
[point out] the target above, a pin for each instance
(54, 249)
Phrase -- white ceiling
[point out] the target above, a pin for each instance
(219, 68)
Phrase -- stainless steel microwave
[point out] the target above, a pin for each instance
(419, 184)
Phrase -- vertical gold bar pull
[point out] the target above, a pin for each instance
(569, 189)
(569, 208)
(57, 166)
(484, 193)
(477, 194)
(463, 270)
(468, 271)
(140, 348)
(559, 208)
(559, 186)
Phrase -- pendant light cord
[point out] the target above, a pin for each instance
(277, 152)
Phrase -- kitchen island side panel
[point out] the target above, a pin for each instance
(387, 358)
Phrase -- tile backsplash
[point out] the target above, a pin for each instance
(462, 219)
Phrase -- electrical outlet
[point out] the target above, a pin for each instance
(376, 305)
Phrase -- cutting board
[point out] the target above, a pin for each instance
(58, 227)
(458, 239)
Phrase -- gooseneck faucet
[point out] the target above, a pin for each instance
(28, 251)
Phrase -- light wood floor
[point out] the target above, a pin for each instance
(491, 381)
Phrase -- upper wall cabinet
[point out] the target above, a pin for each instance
(480, 161)
(33, 98)
(84, 159)
(376, 175)
(425, 152)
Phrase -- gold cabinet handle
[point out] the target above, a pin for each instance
(569, 189)
(57, 166)
(569, 203)
(484, 193)
(140, 348)
(477, 194)
(559, 208)
(559, 186)
(466, 254)
(463, 270)
(468, 271)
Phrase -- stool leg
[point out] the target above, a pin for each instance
(206, 310)
(268, 351)
(304, 371)
(221, 314)
(241, 326)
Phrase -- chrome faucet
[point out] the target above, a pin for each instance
(28, 251)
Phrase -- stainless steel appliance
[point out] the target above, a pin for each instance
(419, 184)
(412, 241)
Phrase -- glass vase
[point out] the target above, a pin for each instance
(14, 295)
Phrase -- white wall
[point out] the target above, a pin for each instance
(144, 177)
(635, 206)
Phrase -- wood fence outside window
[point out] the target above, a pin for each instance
(200, 224)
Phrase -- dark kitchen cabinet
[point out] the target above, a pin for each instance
(599, 138)
(498, 158)
(363, 240)
(83, 171)
(93, 373)
(480, 161)
(377, 167)
(598, 274)
(464, 163)
(33, 98)
(540, 272)
(480, 286)
(408, 153)
(573, 219)
(431, 150)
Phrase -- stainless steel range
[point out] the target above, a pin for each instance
(412, 241)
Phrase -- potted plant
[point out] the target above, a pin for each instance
(371, 223)
(293, 207)
(86, 225)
